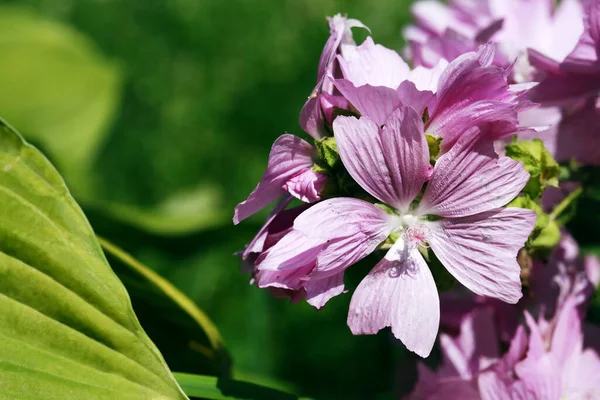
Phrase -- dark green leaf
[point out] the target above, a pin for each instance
(190, 340)
(209, 387)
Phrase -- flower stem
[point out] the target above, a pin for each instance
(565, 203)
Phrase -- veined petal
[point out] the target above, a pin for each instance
(492, 120)
(390, 163)
(481, 250)
(373, 64)
(340, 33)
(292, 279)
(311, 117)
(399, 292)
(289, 156)
(467, 81)
(471, 178)
(375, 102)
(295, 250)
(342, 217)
(350, 229)
(319, 291)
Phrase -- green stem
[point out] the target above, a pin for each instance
(565, 203)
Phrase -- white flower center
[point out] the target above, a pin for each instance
(411, 229)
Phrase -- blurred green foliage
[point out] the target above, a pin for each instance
(205, 88)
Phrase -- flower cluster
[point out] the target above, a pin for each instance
(424, 164)
(551, 361)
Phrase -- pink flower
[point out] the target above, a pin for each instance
(551, 364)
(459, 216)
(286, 284)
(567, 276)
(548, 363)
(573, 84)
(474, 349)
(469, 92)
(577, 77)
(290, 170)
(557, 46)
(321, 102)
(447, 31)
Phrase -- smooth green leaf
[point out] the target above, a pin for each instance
(210, 387)
(192, 339)
(56, 88)
(67, 328)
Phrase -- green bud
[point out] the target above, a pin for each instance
(434, 144)
(327, 152)
(538, 161)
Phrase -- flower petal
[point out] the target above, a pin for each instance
(399, 292)
(295, 250)
(375, 102)
(311, 117)
(413, 97)
(319, 291)
(307, 186)
(340, 33)
(493, 120)
(481, 250)
(467, 81)
(289, 157)
(579, 137)
(584, 58)
(257, 244)
(350, 229)
(390, 163)
(470, 179)
(428, 78)
(373, 64)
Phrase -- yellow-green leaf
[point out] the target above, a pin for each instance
(67, 328)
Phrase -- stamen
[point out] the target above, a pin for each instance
(416, 235)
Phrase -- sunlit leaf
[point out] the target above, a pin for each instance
(67, 328)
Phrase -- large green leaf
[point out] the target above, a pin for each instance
(67, 328)
(186, 335)
(56, 88)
